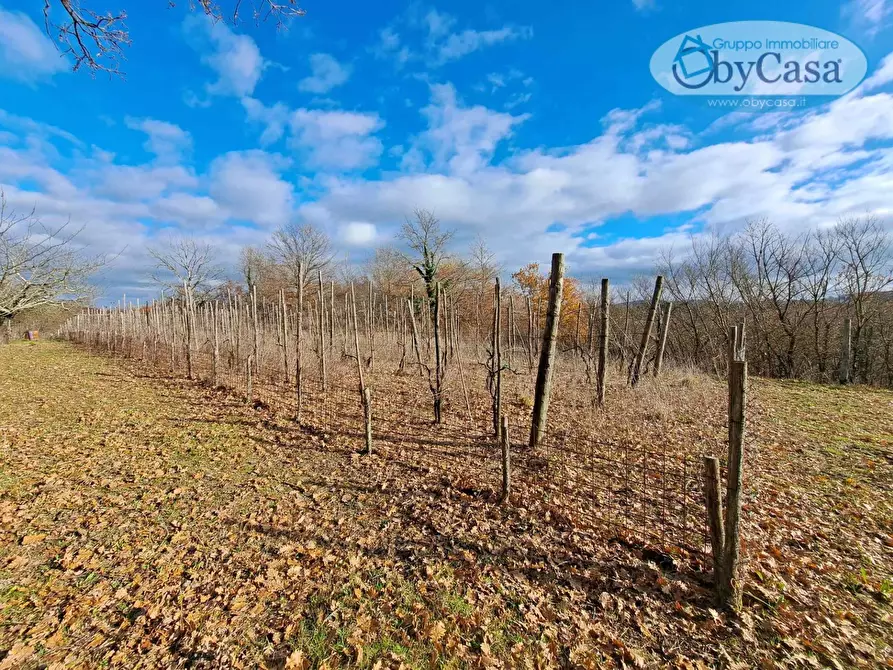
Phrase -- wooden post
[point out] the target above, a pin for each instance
(299, 354)
(356, 340)
(730, 592)
(367, 415)
(438, 364)
(216, 345)
(190, 329)
(249, 389)
(496, 362)
(530, 338)
(646, 332)
(547, 353)
(255, 325)
(506, 443)
(603, 333)
(284, 309)
(664, 331)
(511, 333)
(332, 319)
(714, 519)
(322, 335)
(371, 327)
(846, 344)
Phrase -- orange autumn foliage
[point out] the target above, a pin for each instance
(534, 284)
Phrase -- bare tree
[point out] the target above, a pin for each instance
(40, 265)
(97, 41)
(426, 238)
(866, 271)
(389, 271)
(302, 248)
(184, 261)
(254, 266)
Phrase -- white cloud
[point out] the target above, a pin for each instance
(336, 139)
(328, 73)
(439, 42)
(236, 59)
(457, 45)
(249, 185)
(26, 53)
(358, 233)
(644, 5)
(274, 119)
(462, 139)
(166, 140)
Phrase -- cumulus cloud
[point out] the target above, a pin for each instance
(327, 73)
(166, 140)
(461, 139)
(26, 53)
(249, 185)
(234, 58)
(335, 139)
(358, 233)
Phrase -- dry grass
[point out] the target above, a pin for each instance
(147, 522)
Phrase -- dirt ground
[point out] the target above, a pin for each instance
(148, 522)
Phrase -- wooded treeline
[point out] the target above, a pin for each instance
(817, 305)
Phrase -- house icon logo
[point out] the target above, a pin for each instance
(693, 58)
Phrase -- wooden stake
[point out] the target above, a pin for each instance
(547, 353)
(505, 441)
(846, 344)
(299, 353)
(646, 333)
(603, 333)
(714, 519)
(249, 395)
(367, 415)
(730, 593)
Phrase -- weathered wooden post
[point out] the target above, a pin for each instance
(730, 591)
(284, 310)
(215, 317)
(646, 332)
(249, 395)
(255, 325)
(846, 344)
(603, 333)
(496, 360)
(547, 353)
(367, 416)
(438, 363)
(299, 354)
(322, 335)
(713, 499)
(664, 331)
(506, 443)
(190, 329)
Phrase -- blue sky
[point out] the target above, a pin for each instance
(538, 126)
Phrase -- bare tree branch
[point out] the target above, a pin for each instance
(40, 265)
(97, 41)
